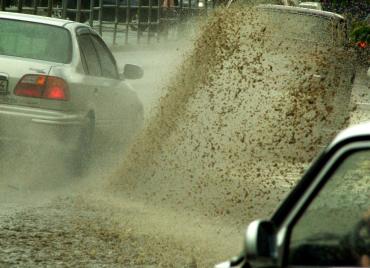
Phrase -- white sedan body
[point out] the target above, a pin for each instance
(59, 82)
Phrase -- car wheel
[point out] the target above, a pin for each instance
(82, 157)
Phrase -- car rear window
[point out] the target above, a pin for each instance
(35, 41)
(301, 26)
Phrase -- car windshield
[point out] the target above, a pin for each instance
(301, 26)
(34, 41)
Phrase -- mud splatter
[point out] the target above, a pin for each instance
(240, 120)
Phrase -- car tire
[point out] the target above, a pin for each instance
(82, 157)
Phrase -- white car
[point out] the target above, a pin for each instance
(311, 5)
(60, 88)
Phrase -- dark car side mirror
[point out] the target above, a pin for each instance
(260, 248)
(260, 243)
(131, 71)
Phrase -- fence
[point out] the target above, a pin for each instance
(134, 19)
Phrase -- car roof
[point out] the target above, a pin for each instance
(35, 18)
(353, 132)
(303, 10)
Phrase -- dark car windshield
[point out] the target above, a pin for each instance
(35, 41)
(330, 224)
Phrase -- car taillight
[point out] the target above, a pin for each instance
(42, 86)
(362, 44)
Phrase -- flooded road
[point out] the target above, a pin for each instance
(72, 227)
(205, 165)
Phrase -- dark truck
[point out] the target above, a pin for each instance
(139, 13)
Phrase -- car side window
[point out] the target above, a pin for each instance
(328, 232)
(89, 56)
(108, 65)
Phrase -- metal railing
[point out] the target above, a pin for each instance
(129, 19)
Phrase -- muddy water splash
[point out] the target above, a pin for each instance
(239, 120)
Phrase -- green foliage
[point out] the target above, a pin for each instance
(361, 32)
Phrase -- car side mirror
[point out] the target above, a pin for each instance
(131, 71)
(260, 243)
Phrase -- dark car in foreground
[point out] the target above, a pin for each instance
(325, 221)
(60, 82)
